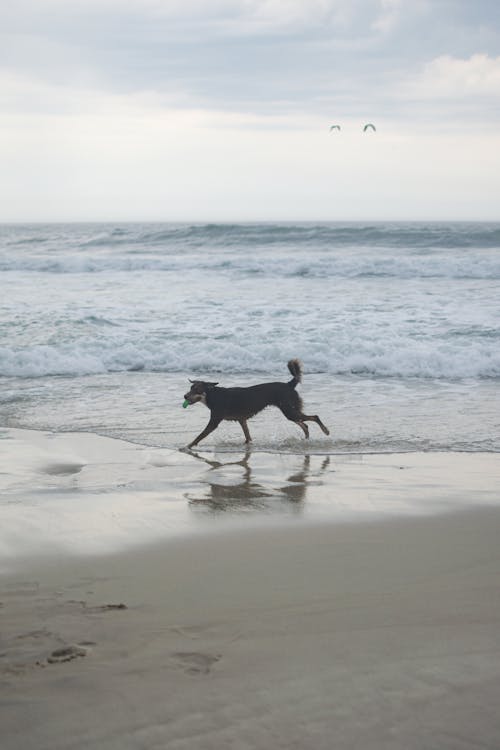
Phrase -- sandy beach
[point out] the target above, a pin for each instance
(360, 624)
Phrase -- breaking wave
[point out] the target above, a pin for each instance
(431, 359)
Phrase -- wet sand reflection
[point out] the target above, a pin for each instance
(241, 485)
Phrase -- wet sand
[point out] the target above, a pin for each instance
(295, 632)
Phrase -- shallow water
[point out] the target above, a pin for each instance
(364, 415)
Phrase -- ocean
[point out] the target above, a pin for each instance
(397, 326)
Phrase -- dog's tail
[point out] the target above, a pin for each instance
(295, 367)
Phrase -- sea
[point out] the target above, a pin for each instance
(397, 326)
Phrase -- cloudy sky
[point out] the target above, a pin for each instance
(221, 109)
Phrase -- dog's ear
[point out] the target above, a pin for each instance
(211, 385)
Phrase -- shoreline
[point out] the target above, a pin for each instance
(230, 448)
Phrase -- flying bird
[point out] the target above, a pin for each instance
(369, 125)
(334, 127)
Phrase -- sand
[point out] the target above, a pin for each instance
(376, 631)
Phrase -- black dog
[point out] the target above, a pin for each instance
(239, 404)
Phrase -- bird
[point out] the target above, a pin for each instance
(369, 125)
(334, 127)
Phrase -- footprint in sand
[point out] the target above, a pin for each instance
(66, 653)
(194, 662)
(97, 608)
(104, 607)
(62, 469)
(35, 634)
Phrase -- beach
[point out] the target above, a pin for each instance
(338, 592)
(362, 624)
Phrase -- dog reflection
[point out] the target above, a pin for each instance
(247, 494)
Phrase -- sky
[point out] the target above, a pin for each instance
(220, 110)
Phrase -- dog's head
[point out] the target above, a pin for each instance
(198, 391)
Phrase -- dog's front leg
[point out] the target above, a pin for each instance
(213, 423)
(244, 427)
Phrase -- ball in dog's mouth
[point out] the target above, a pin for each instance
(185, 404)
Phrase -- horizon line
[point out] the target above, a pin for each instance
(228, 221)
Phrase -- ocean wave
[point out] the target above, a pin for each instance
(74, 264)
(335, 265)
(382, 234)
(393, 250)
(395, 234)
(413, 359)
(96, 320)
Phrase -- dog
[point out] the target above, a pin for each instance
(240, 404)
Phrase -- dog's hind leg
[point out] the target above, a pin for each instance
(303, 426)
(294, 415)
(316, 419)
(244, 427)
(213, 423)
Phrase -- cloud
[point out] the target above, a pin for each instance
(264, 56)
(326, 58)
(390, 11)
(454, 92)
(222, 107)
(448, 76)
(226, 16)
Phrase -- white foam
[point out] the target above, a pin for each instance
(418, 359)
